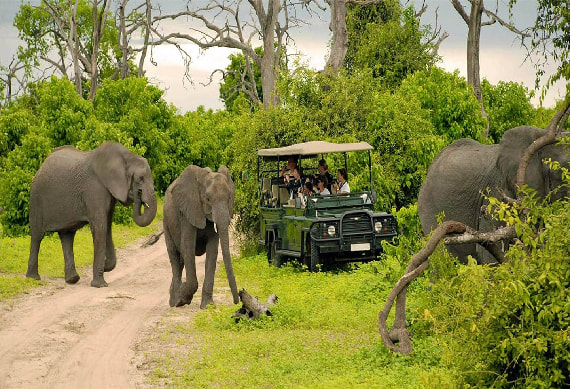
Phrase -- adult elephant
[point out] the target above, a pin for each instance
(73, 188)
(198, 208)
(465, 169)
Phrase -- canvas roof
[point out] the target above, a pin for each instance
(314, 148)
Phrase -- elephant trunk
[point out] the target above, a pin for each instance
(146, 199)
(225, 243)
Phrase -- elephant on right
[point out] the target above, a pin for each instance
(466, 168)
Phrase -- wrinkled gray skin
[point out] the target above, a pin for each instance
(466, 168)
(73, 188)
(198, 208)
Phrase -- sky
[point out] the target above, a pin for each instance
(501, 57)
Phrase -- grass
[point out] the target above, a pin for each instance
(323, 334)
(14, 254)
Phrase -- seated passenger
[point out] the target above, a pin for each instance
(322, 186)
(308, 190)
(291, 164)
(342, 185)
(294, 184)
(324, 172)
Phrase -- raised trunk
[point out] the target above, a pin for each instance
(144, 219)
(225, 243)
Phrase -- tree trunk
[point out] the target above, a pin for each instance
(339, 35)
(267, 63)
(473, 66)
(252, 308)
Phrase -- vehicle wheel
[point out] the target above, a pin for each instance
(275, 259)
(315, 261)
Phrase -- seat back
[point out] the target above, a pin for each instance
(283, 195)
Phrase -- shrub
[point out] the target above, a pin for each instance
(16, 177)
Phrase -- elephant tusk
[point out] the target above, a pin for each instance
(146, 205)
(215, 228)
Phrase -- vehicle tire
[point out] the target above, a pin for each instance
(275, 259)
(315, 260)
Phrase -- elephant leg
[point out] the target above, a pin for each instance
(110, 255)
(211, 258)
(177, 267)
(34, 252)
(67, 238)
(99, 233)
(188, 251)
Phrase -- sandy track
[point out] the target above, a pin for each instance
(76, 336)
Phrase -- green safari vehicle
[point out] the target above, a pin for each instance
(322, 229)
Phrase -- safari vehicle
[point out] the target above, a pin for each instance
(328, 229)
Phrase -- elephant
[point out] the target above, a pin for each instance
(465, 169)
(198, 209)
(73, 188)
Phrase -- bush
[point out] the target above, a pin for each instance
(508, 325)
(16, 177)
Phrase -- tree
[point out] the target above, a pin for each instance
(221, 24)
(392, 49)
(241, 81)
(474, 21)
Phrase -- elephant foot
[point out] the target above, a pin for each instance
(98, 283)
(206, 300)
(72, 279)
(33, 275)
(109, 265)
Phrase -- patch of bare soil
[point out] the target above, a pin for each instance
(76, 336)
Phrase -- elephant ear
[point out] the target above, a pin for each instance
(187, 195)
(111, 170)
(224, 170)
(512, 147)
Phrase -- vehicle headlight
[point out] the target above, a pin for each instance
(331, 230)
(378, 227)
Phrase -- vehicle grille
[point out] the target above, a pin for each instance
(356, 223)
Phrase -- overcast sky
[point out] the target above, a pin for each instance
(501, 57)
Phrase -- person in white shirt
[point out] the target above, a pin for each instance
(322, 186)
(342, 184)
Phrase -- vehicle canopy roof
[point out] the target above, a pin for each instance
(312, 148)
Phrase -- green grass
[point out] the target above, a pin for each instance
(14, 253)
(323, 334)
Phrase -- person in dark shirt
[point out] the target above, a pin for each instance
(295, 184)
(324, 172)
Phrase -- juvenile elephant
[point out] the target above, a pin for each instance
(73, 188)
(198, 208)
(466, 168)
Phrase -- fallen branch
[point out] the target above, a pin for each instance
(399, 333)
(502, 233)
(152, 239)
(252, 308)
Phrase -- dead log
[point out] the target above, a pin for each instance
(152, 239)
(252, 308)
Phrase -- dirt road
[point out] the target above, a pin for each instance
(76, 336)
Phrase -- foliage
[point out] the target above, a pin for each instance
(508, 325)
(455, 113)
(402, 135)
(508, 106)
(394, 49)
(358, 19)
(18, 169)
(43, 38)
(234, 81)
(551, 40)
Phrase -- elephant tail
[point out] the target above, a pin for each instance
(152, 239)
